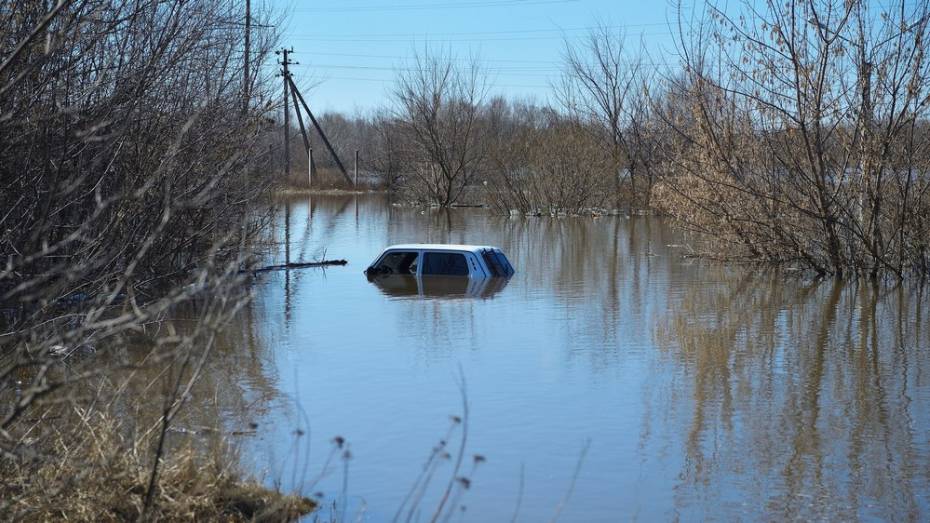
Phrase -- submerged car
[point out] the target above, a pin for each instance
(434, 259)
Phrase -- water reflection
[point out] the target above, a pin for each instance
(235, 388)
(400, 286)
(707, 391)
(811, 396)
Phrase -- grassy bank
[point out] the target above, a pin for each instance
(93, 472)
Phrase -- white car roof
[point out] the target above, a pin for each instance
(437, 247)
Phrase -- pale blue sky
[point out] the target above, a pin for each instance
(351, 47)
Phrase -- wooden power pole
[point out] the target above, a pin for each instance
(291, 88)
(285, 62)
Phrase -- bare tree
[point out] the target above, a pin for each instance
(606, 84)
(387, 149)
(439, 103)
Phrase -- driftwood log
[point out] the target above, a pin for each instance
(307, 265)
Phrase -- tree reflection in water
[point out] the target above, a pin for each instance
(803, 391)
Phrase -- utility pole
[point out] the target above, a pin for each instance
(247, 56)
(356, 168)
(291, 88)
(285, 62)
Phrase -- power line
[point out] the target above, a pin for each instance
(428, 39)
(524, 72)
(390, 68)
(403, 57)
(391, 81)
(504, 32)
(429, 7)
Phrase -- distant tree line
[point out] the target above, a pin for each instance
(793, 133)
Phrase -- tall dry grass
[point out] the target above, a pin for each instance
(104, 476)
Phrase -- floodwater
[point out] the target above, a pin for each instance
(611, 378)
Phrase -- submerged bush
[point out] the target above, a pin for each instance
(554, 168)
(806, 142)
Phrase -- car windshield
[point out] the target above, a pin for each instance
(398, 262)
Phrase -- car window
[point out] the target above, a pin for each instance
(445, 264)
(491, 261)
(504, 262)
(398, 262)
(496, 261)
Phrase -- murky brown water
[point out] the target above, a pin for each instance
(704, 391)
